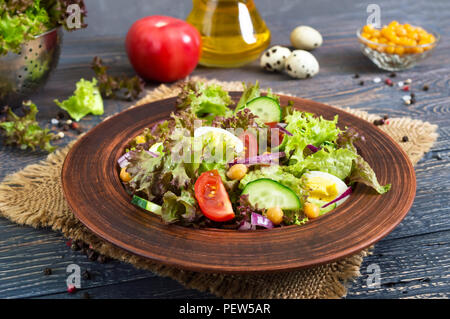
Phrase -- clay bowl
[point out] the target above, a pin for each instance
(96, 196)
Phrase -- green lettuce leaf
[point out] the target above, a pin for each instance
(307, 129)
(336, 162)
(315, 130)
(250, 92)
(86, 99)
(179, 208)
(363, 173)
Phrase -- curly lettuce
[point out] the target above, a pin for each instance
(179, 208)
(336, 162)
(25, 131)
(86, 99)
(204, 101)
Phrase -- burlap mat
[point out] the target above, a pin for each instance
(33, 196)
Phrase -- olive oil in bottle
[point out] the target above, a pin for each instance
(233, 33)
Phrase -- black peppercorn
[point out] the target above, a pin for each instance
(47, 271)
(86, 275)
(405, 139)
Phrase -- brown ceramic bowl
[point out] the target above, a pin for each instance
(96, 196)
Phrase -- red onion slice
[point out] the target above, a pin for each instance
(245, 225)
(282, 129)
(260, 220)
(123, 161)
(260, 159)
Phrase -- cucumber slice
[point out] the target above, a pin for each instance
(266, 108)
(147, 205)
(265, 193)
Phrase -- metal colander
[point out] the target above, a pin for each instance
(24, 73)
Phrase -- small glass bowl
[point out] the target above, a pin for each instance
(377, 53)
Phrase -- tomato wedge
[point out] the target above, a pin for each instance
(278, 141)
(212, 197)
(250, 144)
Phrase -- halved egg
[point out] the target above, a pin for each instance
(227, 136)
(324, 187)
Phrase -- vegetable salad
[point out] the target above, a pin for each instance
(259, 165)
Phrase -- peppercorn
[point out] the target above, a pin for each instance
(92, 255)
(389, 82)
(405, 88)
(425, 87)
(47, 271)
(361, 83)
(405, 139)
(385, 117)
(74, 247)
(101, 259)
(61, 115)
(393, 75)
(356, 75)
(86, 275)
(74, 125)
(378, 122)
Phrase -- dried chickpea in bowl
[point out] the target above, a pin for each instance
(396, 46)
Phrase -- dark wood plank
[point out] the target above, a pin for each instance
(339, 59)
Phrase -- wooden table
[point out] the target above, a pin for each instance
(414, 259)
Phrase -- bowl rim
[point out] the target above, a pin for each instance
(43, 34)
(429, 30)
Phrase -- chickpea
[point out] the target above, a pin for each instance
(237, 171)
(140, 139)
(275, 215)
(400, 38)
(124, 175)
(311, 210)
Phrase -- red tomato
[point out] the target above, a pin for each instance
(250, 144)
(273, 125)
(163, 49)
(212, 197)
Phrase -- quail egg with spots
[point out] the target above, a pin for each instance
(301, 64)
(323, 187)
(306, 38)
(274, 58)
